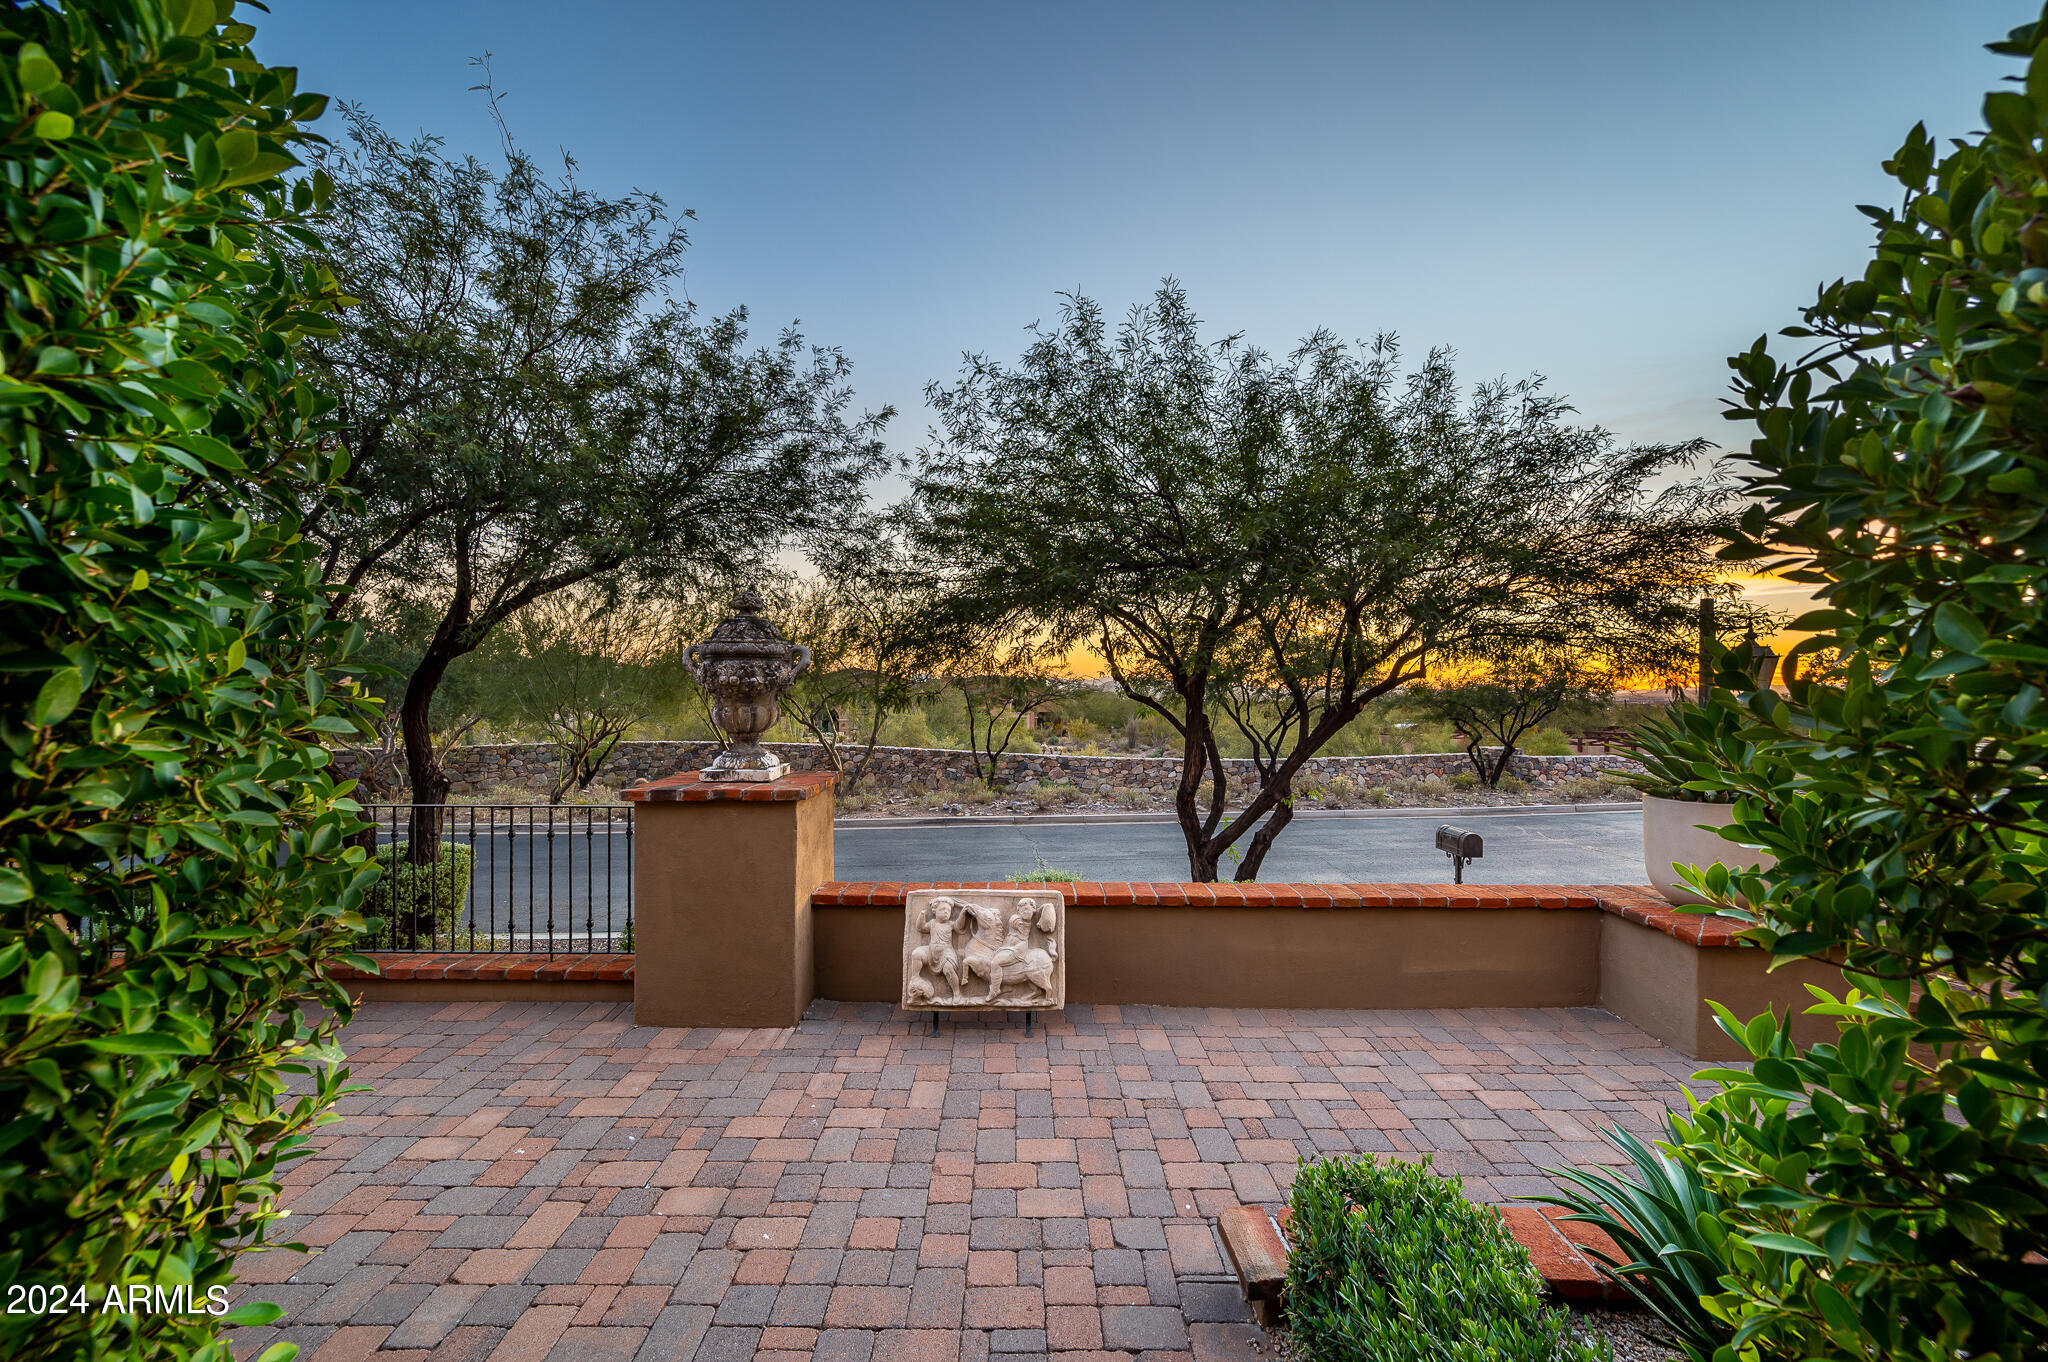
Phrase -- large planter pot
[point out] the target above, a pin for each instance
(1672, 836)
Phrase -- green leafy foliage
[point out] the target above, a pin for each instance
(1270, 543)
(1895, 1180)
(420, 902)
(1389, 1262)
(1668, 1224)
(529, 406)
(173, 851)
(1045, 872)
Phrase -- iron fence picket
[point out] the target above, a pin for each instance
(489, 833)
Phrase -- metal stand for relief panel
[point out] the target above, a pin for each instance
(1027, 1022)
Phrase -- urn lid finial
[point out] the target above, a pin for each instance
(746, 631)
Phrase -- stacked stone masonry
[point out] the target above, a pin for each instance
(533, 765)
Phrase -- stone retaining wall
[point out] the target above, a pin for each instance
(532, 766)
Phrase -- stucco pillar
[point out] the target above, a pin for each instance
(722, 879)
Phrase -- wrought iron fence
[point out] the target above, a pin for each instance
(530, 879)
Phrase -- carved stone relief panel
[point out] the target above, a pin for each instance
(984, 949)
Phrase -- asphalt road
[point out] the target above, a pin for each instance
(1521, 848)
(578, 889)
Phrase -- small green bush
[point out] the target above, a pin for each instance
(1511, 785)
(1390, 1263)
(1046, 873)
(906, 728)
(1052, 795)
(1586, 788)
(421, 905)
(1464, 780)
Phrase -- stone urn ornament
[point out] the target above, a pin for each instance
(747, 666)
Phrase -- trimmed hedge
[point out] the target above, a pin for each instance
(421, 905)
(1390, 1263)
(178, 885)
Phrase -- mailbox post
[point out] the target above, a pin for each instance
(1462, 845)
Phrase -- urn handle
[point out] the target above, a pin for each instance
(692, 665)
(802, 663)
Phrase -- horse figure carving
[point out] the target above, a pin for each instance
(1012, 956)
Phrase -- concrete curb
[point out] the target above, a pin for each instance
(959, 820)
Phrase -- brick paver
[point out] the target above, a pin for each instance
(548, 1181)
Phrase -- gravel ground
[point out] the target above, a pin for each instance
(1626, 1328)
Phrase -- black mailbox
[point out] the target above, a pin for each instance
(1461, 845)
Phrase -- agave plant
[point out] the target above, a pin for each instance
(1667, 1223)
(1668, 753)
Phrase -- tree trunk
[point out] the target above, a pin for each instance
(1478, 761)
(430, 783)
(1196, 758)
(1262, 840)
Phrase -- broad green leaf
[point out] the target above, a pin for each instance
(57, 698)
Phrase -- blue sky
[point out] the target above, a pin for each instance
(1617, 195)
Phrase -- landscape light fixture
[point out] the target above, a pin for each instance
(1462, 845)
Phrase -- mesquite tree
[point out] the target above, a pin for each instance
(1321, 523)
(583, 669)
(1002, 680)
(1519, 690)
(528, 407)
(863, 613)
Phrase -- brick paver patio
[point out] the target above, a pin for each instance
(548, 1181)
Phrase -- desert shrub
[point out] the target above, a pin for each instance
(1428, 789)
(420, 905)
(1464, 780)
(1045, 873)
(1511, 785)
(1341, 788)
(1049, 794)
(1379, 796)
(907, 728)
(1894, 1181)
(1390, 1263)
(169, 679)
(1586, 788)
(955, 792)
